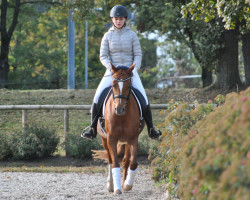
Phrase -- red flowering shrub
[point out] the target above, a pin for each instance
(205, 152)
(215, 157)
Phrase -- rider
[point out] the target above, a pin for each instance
(121, 46)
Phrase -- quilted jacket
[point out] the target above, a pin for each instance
(121, 47)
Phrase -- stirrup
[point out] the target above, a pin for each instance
(88, 136)
(155, 135)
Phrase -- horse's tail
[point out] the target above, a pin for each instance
(99, 154)
(103, 155)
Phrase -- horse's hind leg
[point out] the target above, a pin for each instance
(125, 163)
(132, 171)
(110, 184)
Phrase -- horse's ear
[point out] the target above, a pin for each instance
(113, 68)
(131, 68)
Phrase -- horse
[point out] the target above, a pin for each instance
(123, 124)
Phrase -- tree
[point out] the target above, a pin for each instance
(165, 16)
(148, 71)
(177, 59)
(39, 49)
(8, 25)
(38, 55)
(236, 17)
(6, 34)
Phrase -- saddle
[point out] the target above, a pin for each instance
(108, 91)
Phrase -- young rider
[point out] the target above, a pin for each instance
(121, 46)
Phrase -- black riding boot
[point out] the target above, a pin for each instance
(96, 112)
(147, 115)
(91, 134)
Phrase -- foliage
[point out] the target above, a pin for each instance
(205, 151)
(216, 153)
(145, 144)
(39, 49)
(77, 147)
(177, 59)
(81, 7)
(180, 118)
(33, 142)
(232, 12)
(5, 151)
(165, 16)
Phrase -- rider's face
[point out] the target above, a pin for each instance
(119, 21)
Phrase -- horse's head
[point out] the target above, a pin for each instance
(121, 86)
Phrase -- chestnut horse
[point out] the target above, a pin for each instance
(123, 126)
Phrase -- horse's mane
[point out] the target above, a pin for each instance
(122, 67)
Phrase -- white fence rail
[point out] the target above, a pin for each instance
(66, 109)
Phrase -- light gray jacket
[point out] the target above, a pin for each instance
(121, 47)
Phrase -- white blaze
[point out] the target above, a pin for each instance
(120, 87)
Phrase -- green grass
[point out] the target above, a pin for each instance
(10, 121)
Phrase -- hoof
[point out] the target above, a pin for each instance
(117, 192)
(110, 186)
(127, 187)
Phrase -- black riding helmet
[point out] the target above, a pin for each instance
(119, 11)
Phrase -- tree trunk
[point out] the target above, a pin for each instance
(246, 56)
(227, 75)
(5, 40)
(206, 76)
(4, 71)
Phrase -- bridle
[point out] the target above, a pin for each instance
(120, 96)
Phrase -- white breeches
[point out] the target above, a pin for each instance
(107, 82)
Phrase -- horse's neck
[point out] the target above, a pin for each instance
(131, 108)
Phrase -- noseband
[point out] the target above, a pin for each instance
(120, 96)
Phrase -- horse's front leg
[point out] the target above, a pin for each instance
(132, 171)
(110, 185)
(125, 163)
(112, 146)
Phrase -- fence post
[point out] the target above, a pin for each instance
(66, 121)
(24, 118)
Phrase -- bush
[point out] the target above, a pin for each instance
(77, 147)
(5, 151)
(33, 142)
(180, 118)
(216, 154)
(206, 151)
(145, 144)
